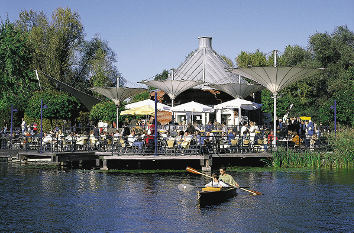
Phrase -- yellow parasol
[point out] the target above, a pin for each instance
(143, 110)
(127, 112)
(305, 118)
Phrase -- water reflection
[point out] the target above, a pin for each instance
(80, 200)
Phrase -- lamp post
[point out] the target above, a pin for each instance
(12, 113)
(155, 122)
(42, 106)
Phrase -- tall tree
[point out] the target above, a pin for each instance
(54, 42)
(15, 69)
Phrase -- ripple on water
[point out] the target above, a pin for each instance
(86, 201)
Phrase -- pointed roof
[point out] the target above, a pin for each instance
(205, 65)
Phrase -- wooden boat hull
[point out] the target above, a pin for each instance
(214, 197)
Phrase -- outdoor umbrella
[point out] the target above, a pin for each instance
(238, 103)
(275, 79)
(118, 94)
(172, 87)
(148, 102)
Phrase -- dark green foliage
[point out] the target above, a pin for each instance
(59, 105)
(141, 96)
(17, 80)
(315, 95)
(55, 46)
(162, 76)
(105, 111)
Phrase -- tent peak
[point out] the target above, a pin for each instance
(204, 42)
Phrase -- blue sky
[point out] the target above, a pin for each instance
(149, 36)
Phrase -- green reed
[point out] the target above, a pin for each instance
(341, 155)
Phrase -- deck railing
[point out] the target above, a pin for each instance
(145, 145)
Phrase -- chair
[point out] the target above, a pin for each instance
(234, 147)
(170, 147)
(81, 143)
(259, 146)
(245, 145)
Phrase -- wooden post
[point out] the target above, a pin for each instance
(206, 163)
(104, 165)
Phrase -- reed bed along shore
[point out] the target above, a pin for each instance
(341, 156)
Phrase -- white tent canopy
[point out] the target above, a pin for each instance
(237, 90)
(117, 95)
(275, 79)
(148, 102)
(172, 87)
(192, 107)
(238, 103)
(235, 103)
(205, 65)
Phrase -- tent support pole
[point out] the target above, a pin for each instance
(155, 130)
(117, 117)
(275, 121)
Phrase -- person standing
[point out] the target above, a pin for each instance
(226, 178)
(23, 126)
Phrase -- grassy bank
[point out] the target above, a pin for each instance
(342, 155)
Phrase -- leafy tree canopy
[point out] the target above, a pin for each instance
(313, 96)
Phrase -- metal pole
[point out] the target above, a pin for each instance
(173, 114)
(155, 123)
(117, 117)
(275, 107)
(274, 120)
(41, 136)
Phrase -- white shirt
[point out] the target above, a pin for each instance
(243, 129)
(218, 184)
(131, 139)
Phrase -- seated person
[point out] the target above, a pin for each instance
(216, 183)
(131, 138)
(230, 136)
(296, 139)
(228, 179)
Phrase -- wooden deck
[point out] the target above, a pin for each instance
(103, 159)
(109, 156)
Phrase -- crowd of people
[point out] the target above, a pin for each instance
(140, 134)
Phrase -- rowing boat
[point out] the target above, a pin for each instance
(211, 195)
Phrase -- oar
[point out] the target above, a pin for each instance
(192, 170)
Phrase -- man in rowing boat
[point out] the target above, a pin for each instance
(226, 178)
(216, 183)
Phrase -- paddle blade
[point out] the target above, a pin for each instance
(185, 187)
(256, 192)
(192, 170)
(251, 191)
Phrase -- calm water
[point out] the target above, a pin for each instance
(87, 201)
